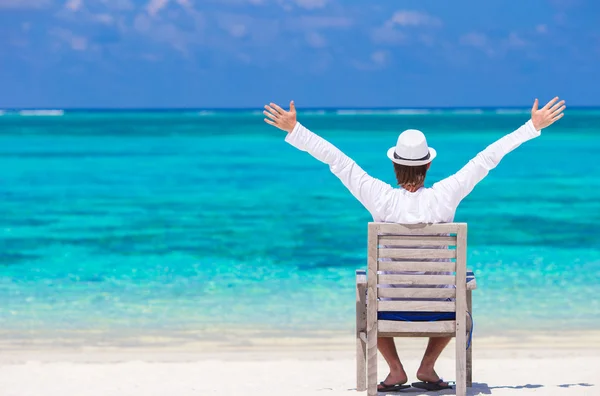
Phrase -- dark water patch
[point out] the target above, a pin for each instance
(85, 154)
(12, 258)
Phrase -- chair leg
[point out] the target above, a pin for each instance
(461, 359)
(372, 334)
(470, 350)
(372, 361)
(361, 336)
(361, 364)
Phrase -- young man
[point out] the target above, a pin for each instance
(412, 203)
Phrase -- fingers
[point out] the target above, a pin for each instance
(292, 107)
(557, 105)
(274, 117)
(535, 105)
(558, 111)
(558, 117)
(277, 108)
(269, 122)
(272, 112)
(549, 104)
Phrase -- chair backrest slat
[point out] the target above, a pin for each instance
(421, 266)
(402, 279)
(416, 240)
(425, 253)
(396, 266)
(415, 293)
(418, 306)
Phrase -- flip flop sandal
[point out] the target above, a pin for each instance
(391, 388)
(431, 386)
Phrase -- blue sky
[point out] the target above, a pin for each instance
(332, 53)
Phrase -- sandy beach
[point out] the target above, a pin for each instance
(549, 365)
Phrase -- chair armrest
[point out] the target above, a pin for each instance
(361, 277)
(471, 281)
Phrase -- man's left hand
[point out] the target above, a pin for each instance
(285, 120)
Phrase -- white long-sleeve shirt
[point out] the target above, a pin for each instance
(395, 205)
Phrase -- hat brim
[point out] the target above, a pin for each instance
(390, 154)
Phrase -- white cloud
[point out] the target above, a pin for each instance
(515, 41)
(314, 22)
(24, 4)
(237, 30)
(142, 23)
(414, 18)
(387, 34)
(380, 57)
(154, 6)
(107, 19)
(477, 40)
(236, 25)
(74, 5)
(311, 4)
(316, 40)
(377, 60)
(75, 42)
(118, 4)
(79, 43)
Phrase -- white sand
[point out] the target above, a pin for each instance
(555, 366)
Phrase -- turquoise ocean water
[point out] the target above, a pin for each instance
(197, 222)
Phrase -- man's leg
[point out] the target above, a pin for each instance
(435, 347)
(388, 350)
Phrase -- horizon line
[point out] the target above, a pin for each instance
(4, 109)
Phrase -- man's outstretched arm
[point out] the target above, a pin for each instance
(369, 191)
(459, 185)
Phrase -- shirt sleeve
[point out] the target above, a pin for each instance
(370, 191)
(459, 185)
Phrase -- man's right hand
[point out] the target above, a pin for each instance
(547, 115)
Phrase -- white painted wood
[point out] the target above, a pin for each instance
(384, 328)
(420, 266)
(418, 229)
(472, 285)
(373, 232)
(461, 308)
(401, 279)
(416, 240)
(417, 253)
(447, 327)
(417, 306)
(361, 328)
(407, 292)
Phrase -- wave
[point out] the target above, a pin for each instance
(385, 112)
(41, 112)
(313, 112)
(512, 111)
(467, 111)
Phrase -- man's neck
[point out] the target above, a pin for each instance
(412, 188)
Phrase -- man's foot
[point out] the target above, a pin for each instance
(394, 378)
(428, 374)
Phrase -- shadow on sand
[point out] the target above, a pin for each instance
(482, 389)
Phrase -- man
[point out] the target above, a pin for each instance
(412, 203)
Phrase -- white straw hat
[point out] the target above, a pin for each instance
(411, 149)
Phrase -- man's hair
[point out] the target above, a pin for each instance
(410, 175)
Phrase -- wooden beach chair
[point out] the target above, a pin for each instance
(399, 250)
